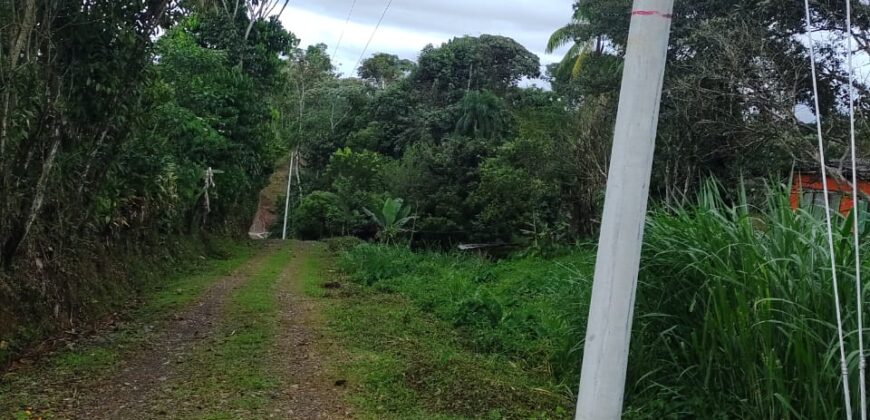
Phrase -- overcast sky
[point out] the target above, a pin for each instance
(411, 24)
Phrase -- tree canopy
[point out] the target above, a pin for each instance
(383, 69)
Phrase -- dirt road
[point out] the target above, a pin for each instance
(248, 346)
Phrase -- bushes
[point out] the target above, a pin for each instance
(734, 314)
(320, 214)
(108, 132)
(369, 264)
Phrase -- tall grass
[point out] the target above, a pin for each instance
(735, 310)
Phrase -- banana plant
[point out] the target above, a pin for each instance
(392, 219)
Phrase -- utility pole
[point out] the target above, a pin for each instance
(608, 332)
(287, 197)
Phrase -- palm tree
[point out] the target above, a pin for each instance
(481, 114)
(582, 43)
(391, 219)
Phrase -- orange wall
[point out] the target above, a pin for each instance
(813, 182)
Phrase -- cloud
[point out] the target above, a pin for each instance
(411, 24)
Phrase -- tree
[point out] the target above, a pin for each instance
(482, 114)
(382, 70)
(70, 77)
(356, 178)
(393, 119)
(488, 62)
(582, 45)
(736, 73)
(320, 215)
(305, 70)
(251, 10)
(256, 45)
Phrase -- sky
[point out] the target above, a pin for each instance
(411, 24)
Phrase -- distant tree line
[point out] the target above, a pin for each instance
(477, 157)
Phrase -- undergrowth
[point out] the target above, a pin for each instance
(105, 281)
(524, 308)
(91, 359)
(402, 362)
(734, 315)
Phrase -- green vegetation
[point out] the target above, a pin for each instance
(183, 288)
(403, 362)
(524, 308)
(311, 273)
(187, 266)
(734, 311)
(136, 134)
(392, 219)
(107, 136)
(230, 375)
(737, 301)
(94, 359)
(481, 159)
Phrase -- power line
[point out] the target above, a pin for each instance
(343, 29)
(386, 9)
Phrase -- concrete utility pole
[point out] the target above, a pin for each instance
(608, 333)
(287, 197)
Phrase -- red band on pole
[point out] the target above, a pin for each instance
(650, 13)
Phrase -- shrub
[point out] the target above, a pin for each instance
(319, 214)
(368, 264)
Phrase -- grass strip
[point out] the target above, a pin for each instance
(402, 362)
(228, 376)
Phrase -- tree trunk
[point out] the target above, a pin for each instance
(18, 238)
(91, 157)
(19, 39)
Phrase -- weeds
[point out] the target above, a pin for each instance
(734, 315)
(521, 308)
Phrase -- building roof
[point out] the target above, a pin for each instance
(863, 167)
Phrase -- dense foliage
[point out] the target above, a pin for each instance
(480, 158)
(124, 123)
(733, 318)
(737, 73)
(472, 155)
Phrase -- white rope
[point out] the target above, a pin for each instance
(843, 367)
(855, 210)
(386, 9)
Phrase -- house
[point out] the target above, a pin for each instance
(807, 188)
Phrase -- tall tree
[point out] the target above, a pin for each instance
(383, 69)
(482, 114)
(490, 62)
(581, 37)
(737, 71)
(71, 73)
